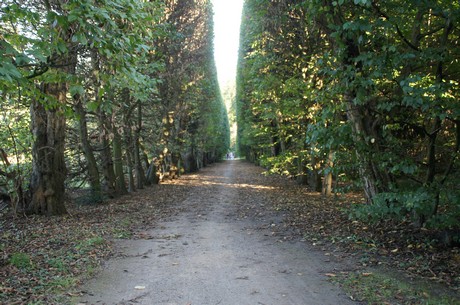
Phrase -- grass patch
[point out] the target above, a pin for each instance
(21, 261)
(123, 230)
(89, 244)
(91, 270)
(62, 283)
(58, 263)
(383, 288)
(122, 233)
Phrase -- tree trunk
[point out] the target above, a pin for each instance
(302, 169)
(128, 140)
(106, 157)
(327, 181)
(120, 184)
(280, 136)
(366, 167)
(48, 126)
(316, 177)
(374, 179)
(275, 147)
(431, 157)
(140, 175)
(190, 160)
(147, 164)
(128, 136)
(93, 171)
(130, 164)
(302, 177)
(48, 166)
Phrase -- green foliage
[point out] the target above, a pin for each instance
(414, 204)
(372, 84)
(285, 164)
(190, 92)
(123, 66)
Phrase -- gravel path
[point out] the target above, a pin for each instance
(219, 249)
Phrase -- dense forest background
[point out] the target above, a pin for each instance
(107, 95)
(360, 95)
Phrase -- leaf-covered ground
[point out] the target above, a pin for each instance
(397, 251)
(325, 222)
(43, 259)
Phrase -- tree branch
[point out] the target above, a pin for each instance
(398, 30)
(38, 72)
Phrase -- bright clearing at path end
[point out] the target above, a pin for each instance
(227, 19)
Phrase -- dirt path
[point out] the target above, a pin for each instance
(220, 249)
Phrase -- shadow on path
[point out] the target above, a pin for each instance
(214, 253)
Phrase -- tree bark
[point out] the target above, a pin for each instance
(327, 181)
(316, 177)
(93, 171)
(140, 175)
(359, 117)
(48, 166)
(151, 175)
(302, 177)
(48, 126)
(430, 179)
(106, 157)
(372, 178)
(120, 184)
(130, 164)
(128, 136)
(302, 162)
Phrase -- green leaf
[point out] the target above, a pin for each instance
(61, 46)
(92, 106)
(76, 89)
(101, 92)
(73, 17)
(80, 37)
(9, 71)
